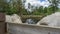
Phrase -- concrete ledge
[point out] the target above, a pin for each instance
(16, 28)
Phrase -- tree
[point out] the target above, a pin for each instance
(3, 5)
(11, 8)
(8, 7)
(38, 11)
(54, 4)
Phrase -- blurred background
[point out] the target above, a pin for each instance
(31, 9)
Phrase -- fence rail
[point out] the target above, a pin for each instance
(35, 16)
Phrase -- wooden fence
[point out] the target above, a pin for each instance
(35, 17)
(32, 16)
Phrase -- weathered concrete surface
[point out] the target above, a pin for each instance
(8, 18)
(52, 20)
(13, 18)
(30, 29)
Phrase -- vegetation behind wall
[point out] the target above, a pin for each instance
(15, 6)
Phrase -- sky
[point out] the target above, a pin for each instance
(42, 0)
(43, 3)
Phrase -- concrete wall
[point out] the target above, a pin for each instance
(31, 29)
(2, 23)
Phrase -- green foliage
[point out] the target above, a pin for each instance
(36, 13)
(54, 5)
(16, 7)
(47, 10)
(24, 12)
(2, 5)
(10, 8)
